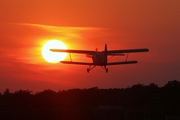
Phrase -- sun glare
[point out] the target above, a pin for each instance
(53, 57)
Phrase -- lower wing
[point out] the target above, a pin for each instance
(110, 63)
(124, 62)
(79, 63)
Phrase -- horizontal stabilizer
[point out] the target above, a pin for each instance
(116, 54)
(89, 56)
(79, 63)
(124, 62)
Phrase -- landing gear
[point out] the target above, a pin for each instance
(90, 68)
(106, 70)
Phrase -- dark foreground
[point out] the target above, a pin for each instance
(138, 102)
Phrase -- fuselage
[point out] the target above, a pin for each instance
(99, 59)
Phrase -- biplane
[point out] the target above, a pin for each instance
(100, 58)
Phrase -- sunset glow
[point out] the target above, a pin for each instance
(53, 57)
(30, 29)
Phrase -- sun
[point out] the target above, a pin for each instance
(53, 57)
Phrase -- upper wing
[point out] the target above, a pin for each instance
(73, 51)
(109, 52)
(128, 51)
(79, 63)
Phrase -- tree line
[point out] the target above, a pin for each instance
(138, 102)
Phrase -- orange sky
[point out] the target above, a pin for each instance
(86, 24)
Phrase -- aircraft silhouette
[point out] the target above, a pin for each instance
(101, 58)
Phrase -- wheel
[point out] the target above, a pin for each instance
(106, 70)
(88, 70)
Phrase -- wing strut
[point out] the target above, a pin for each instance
(70, 56)
(111, 57)
(127, 56)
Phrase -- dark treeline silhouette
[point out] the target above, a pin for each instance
(138, 102)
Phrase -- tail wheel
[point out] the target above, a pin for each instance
(106, 70)
(88, 70)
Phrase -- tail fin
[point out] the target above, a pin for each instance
(96, 49)
(105, 52)
(105, 48)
